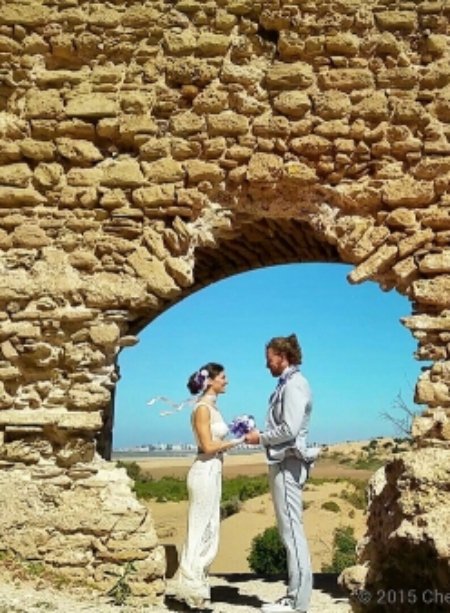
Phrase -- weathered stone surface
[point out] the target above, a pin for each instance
(147, 150)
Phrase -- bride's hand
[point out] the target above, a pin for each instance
(252, 438)
(237, 441)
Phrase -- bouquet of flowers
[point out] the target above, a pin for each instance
(242, 425)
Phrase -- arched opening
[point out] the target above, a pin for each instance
(357, 356)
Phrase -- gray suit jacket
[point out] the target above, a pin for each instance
(288, 421)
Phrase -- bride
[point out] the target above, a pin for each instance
(204, 482)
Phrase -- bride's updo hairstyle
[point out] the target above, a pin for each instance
(287, 345)
(197, 381)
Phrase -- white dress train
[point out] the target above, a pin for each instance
(204, 482)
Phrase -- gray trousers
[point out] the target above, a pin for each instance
(286, 480)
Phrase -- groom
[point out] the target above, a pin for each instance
(289, 460)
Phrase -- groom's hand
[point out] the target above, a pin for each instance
(252, 438)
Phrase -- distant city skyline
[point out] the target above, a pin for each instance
(357, 355)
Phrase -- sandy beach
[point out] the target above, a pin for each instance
(256, 514)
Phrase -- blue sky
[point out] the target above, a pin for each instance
(356, 354)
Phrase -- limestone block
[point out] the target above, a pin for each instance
(165, 170)
(155, 148)
(191, 71)
(122, 173)
(435, 263)
(82, 355)
(48, 175)
(132, 125)
(292, 104)
(198, 170)
(105, 334)
(346, 79)
(244, 74)
(336, 128)
(401, 218)
(227, 123)
(16, 197)
(113, 198)
(84, 176)
(153, 271)
(409, 245)
(264, 167)
(181, 270)
(155, 196)
(403, 21)
(407, 192)
(9, 152)
(372, 108)
(180, 43)
(43, 104)
(357, 238)
(6, 401)
(135, 16)
(78, 151)
(342, 44)
(87, 397)
(433, 291)
(38, 151)
(17, 175)
(402, 77)
(358, 196)
(105, 290)
(108, 128)
(383, 258)
(78, 197)
(299, 173)
(74, 451)
(436, 218)
(213, 148)
(30, 236)
(20, 451)
(270, 126)
(431, 392)
(212, 99)
(28, 15)
(311, 146)
(92, 106)
(297, 75)
(57, 78)
(210, 44)
(432, 167)
(74, 420)
(332, 104)
(9, 45)
(183, 149)
(187, 123)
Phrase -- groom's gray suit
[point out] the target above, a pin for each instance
(289, 459)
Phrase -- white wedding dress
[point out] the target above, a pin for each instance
(204, 482)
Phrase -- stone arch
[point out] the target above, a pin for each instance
(148, 148)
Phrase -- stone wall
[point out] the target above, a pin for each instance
(150, 148)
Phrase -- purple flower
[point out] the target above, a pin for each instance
(242, 425)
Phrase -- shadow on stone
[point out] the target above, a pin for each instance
(231, 595)
(325, 582)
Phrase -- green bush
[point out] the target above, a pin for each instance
(133, 470)
(344, 550)
(356, 496)
(267, 554)
(244, 488)
(332, 506)
(163, 490)
(230, 507)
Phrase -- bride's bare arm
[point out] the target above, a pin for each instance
(202, 425)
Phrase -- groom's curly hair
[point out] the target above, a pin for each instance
(287, 345)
